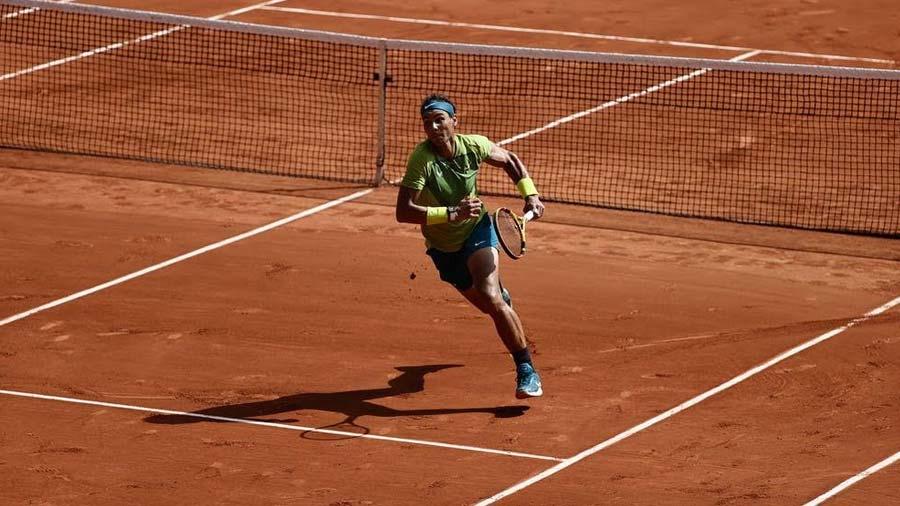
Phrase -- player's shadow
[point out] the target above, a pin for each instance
(351, 403)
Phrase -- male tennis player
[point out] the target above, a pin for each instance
(439, 192)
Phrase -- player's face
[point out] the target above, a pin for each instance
(439, 126)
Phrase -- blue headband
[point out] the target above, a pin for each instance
(439, 104)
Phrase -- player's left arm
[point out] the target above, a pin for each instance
(515, 169)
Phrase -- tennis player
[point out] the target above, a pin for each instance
(439, 192)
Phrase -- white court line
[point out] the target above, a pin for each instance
(33, 9)
(685, 405)
(205, 249)
(186, 256)
(249, 8)
(563, 463)
(621, 100)
(87, 54)
(280, 425)
(851, 481)
(661, 342)
(640, 40)
(120, 45)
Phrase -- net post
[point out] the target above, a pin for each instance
(383, 80)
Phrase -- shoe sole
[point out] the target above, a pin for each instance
(521, 394)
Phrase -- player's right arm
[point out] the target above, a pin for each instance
(407, 211)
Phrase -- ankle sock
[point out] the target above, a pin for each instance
(522, 356)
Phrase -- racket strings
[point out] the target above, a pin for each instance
(509, 232)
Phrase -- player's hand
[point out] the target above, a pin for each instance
(533, 203)
(469, 207)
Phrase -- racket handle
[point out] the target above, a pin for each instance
(528, 216)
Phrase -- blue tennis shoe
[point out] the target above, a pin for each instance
(528, 383)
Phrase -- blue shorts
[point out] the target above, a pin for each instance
(453, 267)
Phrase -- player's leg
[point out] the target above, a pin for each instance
(485, 294)
(474, 271)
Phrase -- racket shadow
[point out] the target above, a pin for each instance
(353, 404)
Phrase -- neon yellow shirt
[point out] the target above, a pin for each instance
(445, 182)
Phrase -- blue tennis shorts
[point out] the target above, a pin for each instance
(453, 267)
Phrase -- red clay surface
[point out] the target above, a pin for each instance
(322, 322)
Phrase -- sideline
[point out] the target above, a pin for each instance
(205, 249)
(623, 99)
(23, 12)
(120, 45)
(851, 481)
(687, 404)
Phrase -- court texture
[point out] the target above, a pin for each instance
(186, 334)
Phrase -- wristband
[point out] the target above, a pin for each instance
(526, 187)
(435, 215)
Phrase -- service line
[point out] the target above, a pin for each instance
(640, 40)
(687, 404)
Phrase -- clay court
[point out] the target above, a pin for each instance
(183, 335)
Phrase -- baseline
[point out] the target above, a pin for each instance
(640, 40)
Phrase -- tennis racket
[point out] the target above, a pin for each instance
(511, 231)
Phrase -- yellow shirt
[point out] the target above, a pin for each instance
(445, 182)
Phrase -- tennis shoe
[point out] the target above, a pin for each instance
(528, 383)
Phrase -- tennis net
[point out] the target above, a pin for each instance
(797, 146)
